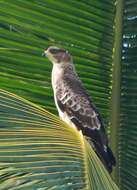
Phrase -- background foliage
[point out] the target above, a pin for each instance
(26, 31)
(86, 29)
(128, 101)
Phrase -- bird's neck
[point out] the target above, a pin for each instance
(57, 74)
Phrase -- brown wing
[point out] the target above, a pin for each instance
(74, 100)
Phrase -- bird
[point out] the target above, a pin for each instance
(75, 106)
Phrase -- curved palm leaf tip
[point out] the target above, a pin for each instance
(75, 106)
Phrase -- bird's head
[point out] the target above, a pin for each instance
(57, 55)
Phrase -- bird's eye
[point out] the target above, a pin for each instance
(55, 51)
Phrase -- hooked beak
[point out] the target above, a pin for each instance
(44, 53)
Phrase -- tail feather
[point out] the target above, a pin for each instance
(99, 142)
(106, 156)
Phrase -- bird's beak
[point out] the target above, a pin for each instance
(44, 53)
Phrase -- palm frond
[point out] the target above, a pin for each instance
(128, 100)
(51, 154)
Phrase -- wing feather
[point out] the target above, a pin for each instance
(73, 99)
(76, 103)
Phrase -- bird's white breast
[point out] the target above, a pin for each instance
(57, 74)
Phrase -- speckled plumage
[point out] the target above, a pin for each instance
(70, 92)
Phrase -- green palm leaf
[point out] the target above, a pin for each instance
(48, 153)
(10, 179)
(128, 100)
